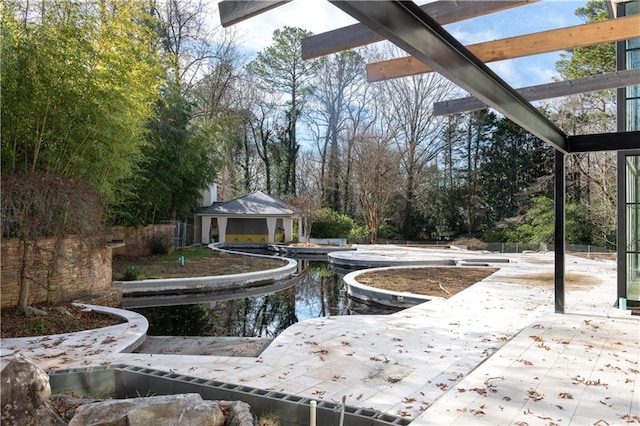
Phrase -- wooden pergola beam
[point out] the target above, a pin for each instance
(556, 89)
(516, 47)
(408, 27)
(234, 11)
(443, 11)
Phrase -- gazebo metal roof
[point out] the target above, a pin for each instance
(254, 204)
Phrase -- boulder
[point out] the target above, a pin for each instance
(27, 401)
(25, 395)
(185, 410)
(238, 413)
(32, 311)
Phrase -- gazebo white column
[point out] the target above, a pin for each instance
(287, 223)
(222, 224)
(206, 227)
(302, 230)
(271, 229)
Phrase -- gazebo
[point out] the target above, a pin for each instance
(252, 218)
(418, 30)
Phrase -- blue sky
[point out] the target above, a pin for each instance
(319, 16)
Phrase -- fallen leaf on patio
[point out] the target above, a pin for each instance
(543, 346)
(535, 395)
(479, 411)
(565, 395)
(596, 382)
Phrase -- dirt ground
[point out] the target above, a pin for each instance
(432, 281)
(572, 281)
(447, 281)
(169, 267)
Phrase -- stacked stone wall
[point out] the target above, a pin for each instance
(138, 241)
(58, 270)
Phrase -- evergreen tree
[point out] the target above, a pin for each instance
(515, 164)
(281, 70)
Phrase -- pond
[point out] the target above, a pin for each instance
(264, 312)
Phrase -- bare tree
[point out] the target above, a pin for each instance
(337, 89)
(591, 176)
(221, 109)
(185, 37)
(363, 116)
(375, 169)
(263, 128)
(409, 110)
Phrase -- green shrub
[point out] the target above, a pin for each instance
(330, 224)
(131, 273)
(495, 235)
(358, 235)
(386, 232)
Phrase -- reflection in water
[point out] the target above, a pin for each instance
(317, 293)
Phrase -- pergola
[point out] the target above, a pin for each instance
(418, 30)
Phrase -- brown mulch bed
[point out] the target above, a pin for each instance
(429, 281)
(169, 267)
(15, 324)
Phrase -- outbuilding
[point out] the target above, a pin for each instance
(253, 218)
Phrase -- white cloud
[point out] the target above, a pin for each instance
(539, 75)
(508, 71)
(472, 37)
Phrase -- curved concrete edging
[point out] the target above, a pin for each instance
(394, 299)
(135, 333)
(125, 337)
(216, 282)
(377, 256)
(295, 250)
(335, 259)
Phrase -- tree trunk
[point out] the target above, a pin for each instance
(23, 295)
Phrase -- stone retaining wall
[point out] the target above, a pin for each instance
(61, 270)
(138, 240)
